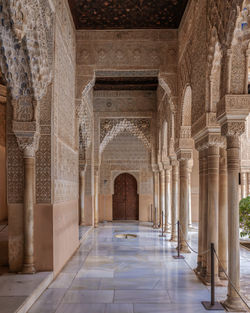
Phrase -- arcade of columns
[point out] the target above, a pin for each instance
(211, 118)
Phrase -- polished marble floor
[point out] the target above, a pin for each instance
(112, 275)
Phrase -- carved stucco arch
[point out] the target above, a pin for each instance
(124, 125)
(85, 114)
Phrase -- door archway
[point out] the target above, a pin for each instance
(125, 198)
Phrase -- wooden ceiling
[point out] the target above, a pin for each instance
(126, 83)
(127, 14)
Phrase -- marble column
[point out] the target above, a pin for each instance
(213, 206)
(201, 209)
(184, 205)
(175, 198)
(204, 216)
(189, 199)
(248, 184)
(156, 199)
(162, 196)
(233, 301)
(82, 197)
(167, 199)
(96, 200)
(223, 218)
(29, 183)
(243, 185)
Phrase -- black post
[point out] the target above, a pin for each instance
(212, 274)
(178, 256)
(212, 305)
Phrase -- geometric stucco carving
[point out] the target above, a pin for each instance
(110, 128)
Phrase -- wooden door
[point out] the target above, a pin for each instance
(125, 198)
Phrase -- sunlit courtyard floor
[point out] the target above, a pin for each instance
(113, 275)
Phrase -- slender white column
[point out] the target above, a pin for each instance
(213, 206)
(162, 195)
(175, 198)
(189, 199)
(204, 213)
(243, 185)
(223, 219)
(156, 199)
(82, 197)
(96, 206)
(248, 184)
(233, 301)
(184, 205)
(201, 209)
(168, 200)
(29, 183)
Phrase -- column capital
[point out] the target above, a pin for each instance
(155, 168)
(27, 137)
(210, 139)
(233, 128)
(184, 154)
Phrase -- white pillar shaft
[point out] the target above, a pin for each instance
(82, 198)
(168, 200)
(29, 182)
(96, 208)
(201, 209)
(175, 197)
(243, 185)
(162, 194)
(213, 206)
(204, 214)
(184, 205)
(223, 218)
(189, 200)
(233, 158)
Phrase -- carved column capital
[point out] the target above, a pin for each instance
(184, 154)
(27, 137)
(210, 139)
(233, 128)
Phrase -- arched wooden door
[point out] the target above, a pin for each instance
(125, 198)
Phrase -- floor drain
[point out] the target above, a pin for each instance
(125, 236)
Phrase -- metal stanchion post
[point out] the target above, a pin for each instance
(178, 256)
(212, 305)
(162, 226)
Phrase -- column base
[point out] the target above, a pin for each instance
(198, 269)
(222, 276)
(28, 269)
(234, 304)
(96, 225)
(184, 249)
(207, 280)
(174, 238)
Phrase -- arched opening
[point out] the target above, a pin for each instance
(3, 179)
(125, 198)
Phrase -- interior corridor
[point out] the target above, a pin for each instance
(113, 275)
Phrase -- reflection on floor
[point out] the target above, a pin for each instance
(113, 275)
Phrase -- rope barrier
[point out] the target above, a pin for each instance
(199, 253)
(231, 283)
